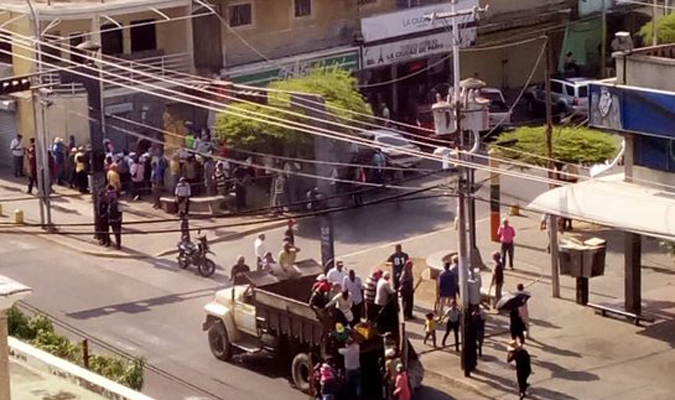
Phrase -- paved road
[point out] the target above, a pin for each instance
(151, 308)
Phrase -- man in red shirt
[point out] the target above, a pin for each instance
(506, 235)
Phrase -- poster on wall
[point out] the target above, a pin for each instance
(411, 21)
(643, 111)
(410, 49)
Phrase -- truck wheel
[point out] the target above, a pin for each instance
(219, 342)
(301, 370)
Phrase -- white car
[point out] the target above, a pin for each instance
(499, 112)
(396, 148)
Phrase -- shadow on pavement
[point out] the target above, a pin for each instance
(430, 393)
(140, 306)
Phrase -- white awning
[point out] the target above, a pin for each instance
(613, 203)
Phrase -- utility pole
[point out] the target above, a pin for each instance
(468, 359)
(41, 154)
(603, 43)
(553, 220)
(655, 29)
(90, 80)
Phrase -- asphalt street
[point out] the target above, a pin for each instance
(153, 309)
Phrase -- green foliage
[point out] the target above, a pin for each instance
(571, 145)
(336, 86)
(665, 27)
(39, 332)
(670, 247)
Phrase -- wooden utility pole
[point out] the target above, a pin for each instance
(655, 29)
(553, 220)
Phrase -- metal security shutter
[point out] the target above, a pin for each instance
(7, 133)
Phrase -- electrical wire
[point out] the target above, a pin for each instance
(296, 126)
(340, 125)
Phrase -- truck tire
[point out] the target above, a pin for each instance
(219, 342)
(301, 371)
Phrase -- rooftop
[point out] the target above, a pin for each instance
(48, 9)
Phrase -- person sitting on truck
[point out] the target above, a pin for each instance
(343, 303)
(286, 258)
(402, 390)
(237, 271)
(390, 363)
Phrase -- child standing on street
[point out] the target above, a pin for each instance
(430, 328)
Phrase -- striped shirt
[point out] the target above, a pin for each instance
(370, 289)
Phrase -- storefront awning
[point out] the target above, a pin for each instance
(613, 203)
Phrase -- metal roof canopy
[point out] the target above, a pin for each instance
(612, 202)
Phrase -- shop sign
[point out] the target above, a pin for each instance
(405, 50)
(282, 70)
(411, 21)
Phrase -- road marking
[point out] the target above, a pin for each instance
(407, 240)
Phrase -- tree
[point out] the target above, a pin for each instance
(336, 86)
(570, 145)
(665, 30)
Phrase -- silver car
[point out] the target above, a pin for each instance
(568, 97)
(398, 148)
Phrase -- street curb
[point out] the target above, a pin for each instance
(122, 255)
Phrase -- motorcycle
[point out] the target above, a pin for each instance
(191, 254)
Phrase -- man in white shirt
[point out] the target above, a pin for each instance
(386, 310)
(16, 147)
(337, 274)
(260, 249)
(354, 286)
(352, 356)
(343, 303)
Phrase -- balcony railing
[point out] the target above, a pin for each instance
(169, 66)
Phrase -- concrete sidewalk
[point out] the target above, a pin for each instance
(70, 207)
(576, 354)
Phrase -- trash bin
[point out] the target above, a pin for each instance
(583, 259)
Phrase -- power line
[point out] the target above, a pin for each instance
(297, 126)
(350, 138)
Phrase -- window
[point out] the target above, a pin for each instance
(111, 39)
(556, 87)
(303, 8)
(143, 36)
(241, 15)
(5, 46)
(570, 90)
(583, 91)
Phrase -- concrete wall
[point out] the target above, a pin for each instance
(277, 33)
(647, 71)
(68, 116)
(50, 364)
